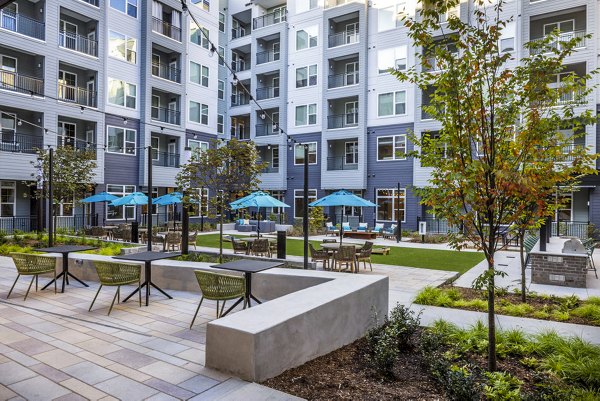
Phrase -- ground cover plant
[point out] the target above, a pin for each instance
(205, 257)
(410, 257)
(562, 309)
(401, 360)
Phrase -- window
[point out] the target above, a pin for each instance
(435, 145)
(307, 37)
(299, 201)
(306, 76)
(388, 17)
(220, 124)
(198, 113)
(221, 55)
(120, 140)
(199, 74)
(394, 57)
(122, 47)
(221, 90)
(507, 45)
(561, 26)
(306, 115)
(121, 93)
(299, 153)
(221, 22)
(64, 209)
(199, 38)
(119, 212)
(351, 152)
(154, 143)
(387, 204)
(305, 5)
(194, 144)
(128, 7)
(391, 103)
(8, 204)
(391, 147)
(564, 211)
(205, 4)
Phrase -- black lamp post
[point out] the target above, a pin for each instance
(221, 203)
(149, 209)
(399, 224)
(50, 198)
(305, 211)
(202, 209)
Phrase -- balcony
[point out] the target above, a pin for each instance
(240, 99)
(343, 38)
(267, 57)
(239, 32)
(267, 129)
(165, 159)
(77, 95)
(571, 97)
(16, 82)
(346, 120)
(166, 71)
(165, 115)
(270, 169)
(557, 45)
(78, 43)
(19, 23)
(341, 80)
(269, 19)
(20, 143)
(240, 65)
(166, 29)
(267, 92)
(337, 163)
(76, 143)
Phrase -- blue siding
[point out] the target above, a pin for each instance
(122, 169)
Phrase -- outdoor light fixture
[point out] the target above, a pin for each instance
(19, 123)
(82, 109)
(235, 80)
(212, 50)
(125, 121)
(269, 147)
(263, 116)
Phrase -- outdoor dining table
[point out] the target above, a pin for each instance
(248, 267)
(335, 246)
(65, 250)
(147, 257)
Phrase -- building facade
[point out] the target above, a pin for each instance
(131, 74)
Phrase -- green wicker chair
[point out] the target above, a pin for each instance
(32, 265)
(117, 274)
(219, 287)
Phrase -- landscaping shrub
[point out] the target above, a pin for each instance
(502, 386)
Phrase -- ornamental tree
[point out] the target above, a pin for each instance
(502, 146)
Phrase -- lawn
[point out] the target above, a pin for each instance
(410, 257)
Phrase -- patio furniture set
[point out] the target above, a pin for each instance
(349, 256)
(170, 239)
(362, 231)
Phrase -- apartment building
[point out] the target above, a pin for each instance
(119, 75)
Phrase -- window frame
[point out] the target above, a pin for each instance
(126, 10)
(394, 104)
(125, 141)
(314, 78)
(126, 39)
(393, 198)
(220, 89)
(310, 152)
(124, 191)
(11, 185)
(394, 147)
(126, 89)
(220, 123)
(222, 22)
(308, 38)
(299, 195)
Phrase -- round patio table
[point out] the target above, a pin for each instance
(334, 246)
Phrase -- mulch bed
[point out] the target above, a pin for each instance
(344, 374)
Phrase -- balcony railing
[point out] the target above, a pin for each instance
(571, 148)
(339, 80)
(239, 32)
(339, 163)
(269, 19)
(16, 82)
(562, 37)
(241, 134)
(166, 115)
(166, 29)
(165, 159)
(20, 143)
(74, 94)
(342, 121)
(75, 143)
(572, 97)
(240, 99)
(269, 169)
(267, 92)
(166, 71)
(239, 65)
(266, 130)
(21, 24)
(267, 57)
(78, 43)
(343, 38)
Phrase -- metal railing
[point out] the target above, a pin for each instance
(266, 130)
(340, 80)
(21, 24)
(166, 29)
(342, 121)
(78, 43)
(240, 99)
(166, 71)
(239, 32)
(239, 65)
(343, 38)
(16, 82)
(10, 224)
(438, 226)
(269, 19)
(579, 229)
(75, 143)
(562, 37)
(570, 148)
(240, 134)
(270, 169)
(166, 115)
(267, 92)
(20, 143)
(165, 159)
(572, 97)
(74, 94)
(339, 163)
(267, 57)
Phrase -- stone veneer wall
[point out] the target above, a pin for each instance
(566, 270)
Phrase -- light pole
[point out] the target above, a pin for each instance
(202, 209)
(221, 202)
(305, 211)
(149, 209)
(50, 198)
(39, 177)
(399, 223)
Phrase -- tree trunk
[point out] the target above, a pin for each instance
(522, 255)
(491, 317)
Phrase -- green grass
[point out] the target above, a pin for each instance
(410, 257)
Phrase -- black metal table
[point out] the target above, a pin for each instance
(64, 250)
(247, 267)
(147, 257)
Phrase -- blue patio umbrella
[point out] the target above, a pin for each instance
(342, 198)
(101, 197)
(257, 199)
(168, 199)
(135, 198)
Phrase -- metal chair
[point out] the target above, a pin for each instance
(321, 255)
(172, 240)
(346, 256)
(260, 247)
(192, 239)
(32, 265)
(219, 287)
(117, 274)
(364, 255)
(239, 247)
(590, 245)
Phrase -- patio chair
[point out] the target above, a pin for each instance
(99, 232)
(158, 240)
(590, 245)
(239, 247)
(390, 232)
(117, 274)
(172, 240)
(260, 247)
(364, 255)
(117, 234)
(126, 235)
(192, 239)
(170, 226)
(363, 227)
(321, 255)
(378, 228)
(32, 265)
(346, 226)
(273, 248)
(219, 287)
(346, 256)
(331, 229)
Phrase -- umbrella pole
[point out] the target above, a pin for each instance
(342, 228)
(258, 222)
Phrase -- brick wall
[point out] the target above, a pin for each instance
(567, 271)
